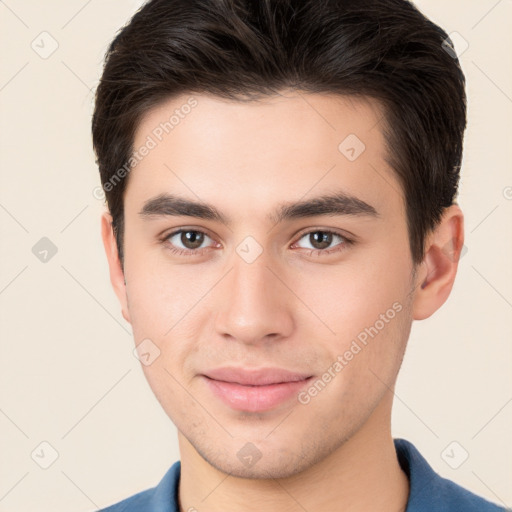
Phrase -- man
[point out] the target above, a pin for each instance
(281, 179)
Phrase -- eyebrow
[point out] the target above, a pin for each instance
(334, 204)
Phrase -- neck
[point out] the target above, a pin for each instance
(362, 474)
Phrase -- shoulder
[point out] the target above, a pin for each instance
(429, 491)
(140, 501)
(457, 498)
(161, 498)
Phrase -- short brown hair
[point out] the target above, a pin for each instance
(382, 49)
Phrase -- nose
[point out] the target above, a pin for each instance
(255, 305)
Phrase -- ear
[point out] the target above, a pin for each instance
(437, 271)
(114, 264)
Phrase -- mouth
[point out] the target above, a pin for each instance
(255, 390)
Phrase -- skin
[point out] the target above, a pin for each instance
(291, 308)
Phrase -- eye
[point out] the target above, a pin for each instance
(187, 240)
(321, 240)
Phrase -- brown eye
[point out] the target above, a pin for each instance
(188, 239)
(192, 239)
(322, 241)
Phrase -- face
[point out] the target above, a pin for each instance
(275, 318)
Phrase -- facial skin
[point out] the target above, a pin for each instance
(296, 306)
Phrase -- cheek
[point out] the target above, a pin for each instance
(352, 296)
(166, 304)
(160, 293)
(366, 304)
(161, 306)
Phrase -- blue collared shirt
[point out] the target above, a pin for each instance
(428, 491)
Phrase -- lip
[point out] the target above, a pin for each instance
(255, 390)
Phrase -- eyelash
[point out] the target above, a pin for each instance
(345, 242)
(196, 252)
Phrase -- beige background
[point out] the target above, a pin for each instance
(68, 376)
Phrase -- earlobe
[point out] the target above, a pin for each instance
(115, 268)
(439, 266)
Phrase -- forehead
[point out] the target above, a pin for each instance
(283, 146)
